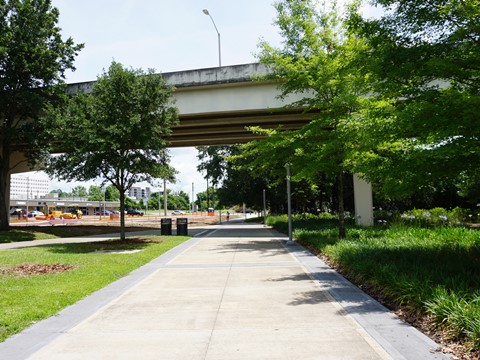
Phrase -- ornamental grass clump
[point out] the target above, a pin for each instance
(457, 313)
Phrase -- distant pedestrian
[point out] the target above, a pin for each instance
(228, 216)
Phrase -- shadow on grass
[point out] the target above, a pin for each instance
(29, 233)
(84, 248)
(15, 236)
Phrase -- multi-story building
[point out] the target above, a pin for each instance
(140, 193)
(28, 187)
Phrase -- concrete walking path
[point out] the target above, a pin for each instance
(235, 291)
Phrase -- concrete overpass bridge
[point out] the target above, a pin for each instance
(217, 104)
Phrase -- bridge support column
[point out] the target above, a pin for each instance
(362, 191)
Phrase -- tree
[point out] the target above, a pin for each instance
(242, 180)
(61, 193)
(79, 191)
(130, 203)
(213, 162)
(234, 186)
(118, 132)
(156, 201)
(179, 201)
(33, 61)
(95, 193)
(422, 128)
(112, 193)
(318, 61)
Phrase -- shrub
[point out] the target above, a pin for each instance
(436, 217)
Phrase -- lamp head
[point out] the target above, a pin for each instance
(205, 11)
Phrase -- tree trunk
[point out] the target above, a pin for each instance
(122, 215)
(4, 186)
(341, 207)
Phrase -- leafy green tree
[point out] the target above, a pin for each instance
(201, 201)
(179, 200)
(155, 201)
(33, 61)
(118, 132)
(175, 201)
(422, 128)
(79, 191)
(213, 162)
(95, 193)
(131, 204)
(243, 183)
(141, 204)
(212, 199)
(112, 193)
(317, 61)
(61, 193)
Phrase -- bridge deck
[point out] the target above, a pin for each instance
(217, 105)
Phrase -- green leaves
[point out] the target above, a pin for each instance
(423, 60)
(318, 60)
(118, 132)
(33, 61)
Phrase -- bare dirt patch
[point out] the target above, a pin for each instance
(28, 269)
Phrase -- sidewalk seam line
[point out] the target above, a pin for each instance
(220, 303)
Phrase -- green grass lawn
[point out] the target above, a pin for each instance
(25, 300)
(432, 272)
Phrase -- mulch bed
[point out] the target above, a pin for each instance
(28, 269)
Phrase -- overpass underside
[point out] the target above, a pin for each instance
(225, 128)
(217, 105)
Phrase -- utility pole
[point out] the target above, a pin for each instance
(193, 198)
(165, 197)
(289, 205)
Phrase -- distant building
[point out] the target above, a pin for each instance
(28, 187)
(139, 193)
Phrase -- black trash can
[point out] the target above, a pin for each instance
(166, 226)
(182, 226)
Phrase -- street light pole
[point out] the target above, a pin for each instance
(264, 209)
(193, 199)
(159, 203)
(164, 197)
(289, 206)
(206, 12)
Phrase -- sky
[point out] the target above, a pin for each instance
(166, 36)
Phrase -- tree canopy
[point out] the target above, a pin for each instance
(118, 132)
(33, 61)
(318, 61)
(422, 127)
